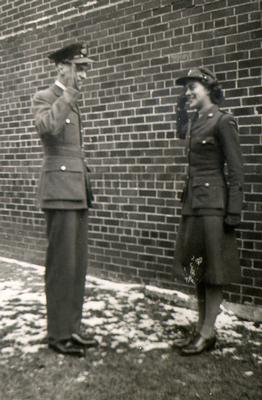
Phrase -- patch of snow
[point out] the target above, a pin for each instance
(95, 305)
(227, 350)
(33, 348)
(94, 321)
(122, 316)
(171, 293)
(248, 373)
(136, 296)
(114, 286)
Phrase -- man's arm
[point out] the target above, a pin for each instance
(50, 116)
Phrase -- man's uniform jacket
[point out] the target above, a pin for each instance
(64, 182)
(64, 195)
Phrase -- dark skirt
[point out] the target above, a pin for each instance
(205, 252)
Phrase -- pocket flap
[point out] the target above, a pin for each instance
(64, 164)
(206, 140)
(207, 181)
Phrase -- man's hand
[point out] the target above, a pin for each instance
(72, 77)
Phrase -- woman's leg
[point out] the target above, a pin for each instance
(185, 341)
(206, 339)
(201, 303)
(213, 297)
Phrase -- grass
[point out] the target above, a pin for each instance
(118, 370)
(157, 375)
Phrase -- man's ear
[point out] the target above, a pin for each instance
(60, 68)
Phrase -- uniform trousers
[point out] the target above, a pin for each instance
(66, 265)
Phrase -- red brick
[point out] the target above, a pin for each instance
(128, 120)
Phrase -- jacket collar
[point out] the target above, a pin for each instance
(60, 84)
(57, 90)
(209, 113)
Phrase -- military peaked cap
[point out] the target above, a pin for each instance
(197, 74)
(74, 53)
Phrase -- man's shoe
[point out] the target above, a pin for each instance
(199, 345)
(67, 347)
(82, 340)
(185, 341)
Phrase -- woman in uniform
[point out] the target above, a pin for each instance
(206, 247)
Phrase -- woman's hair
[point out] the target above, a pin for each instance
(216, 92)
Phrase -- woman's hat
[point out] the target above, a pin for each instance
(197, 74)
(74, 53)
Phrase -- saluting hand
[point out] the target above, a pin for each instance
(181, 115)
(72, 77)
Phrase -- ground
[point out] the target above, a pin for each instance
(135, 360)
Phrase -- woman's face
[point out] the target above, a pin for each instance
(197, 95)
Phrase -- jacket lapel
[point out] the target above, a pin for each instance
(201, 120)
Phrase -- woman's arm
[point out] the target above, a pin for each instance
(229, 139)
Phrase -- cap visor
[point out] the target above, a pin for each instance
(181, 81)
(184, 79)
(83, 60)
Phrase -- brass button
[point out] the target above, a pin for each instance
(63, 167)
(67, 121)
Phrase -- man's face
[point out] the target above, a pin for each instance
(72, 75)
(197, 94)
(81, 73)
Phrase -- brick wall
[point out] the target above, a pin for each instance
(138, 163)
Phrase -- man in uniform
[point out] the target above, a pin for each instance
(65, 196)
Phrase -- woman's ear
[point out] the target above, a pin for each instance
(208, 90)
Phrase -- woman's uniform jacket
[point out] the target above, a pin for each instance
(212, 144)
(213, 141)
(64, 181)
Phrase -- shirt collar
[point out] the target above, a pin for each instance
(60, 84)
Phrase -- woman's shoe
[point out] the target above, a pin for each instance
(199, 345)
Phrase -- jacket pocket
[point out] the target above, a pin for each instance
(63, 180)
(206, 141)
(208, 192)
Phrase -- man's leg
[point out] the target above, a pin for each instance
(62, 278)
(81, 253)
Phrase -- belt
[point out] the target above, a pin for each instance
(65, 151)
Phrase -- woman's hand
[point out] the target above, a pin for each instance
(231, 222)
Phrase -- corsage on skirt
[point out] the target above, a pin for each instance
(205, 252)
